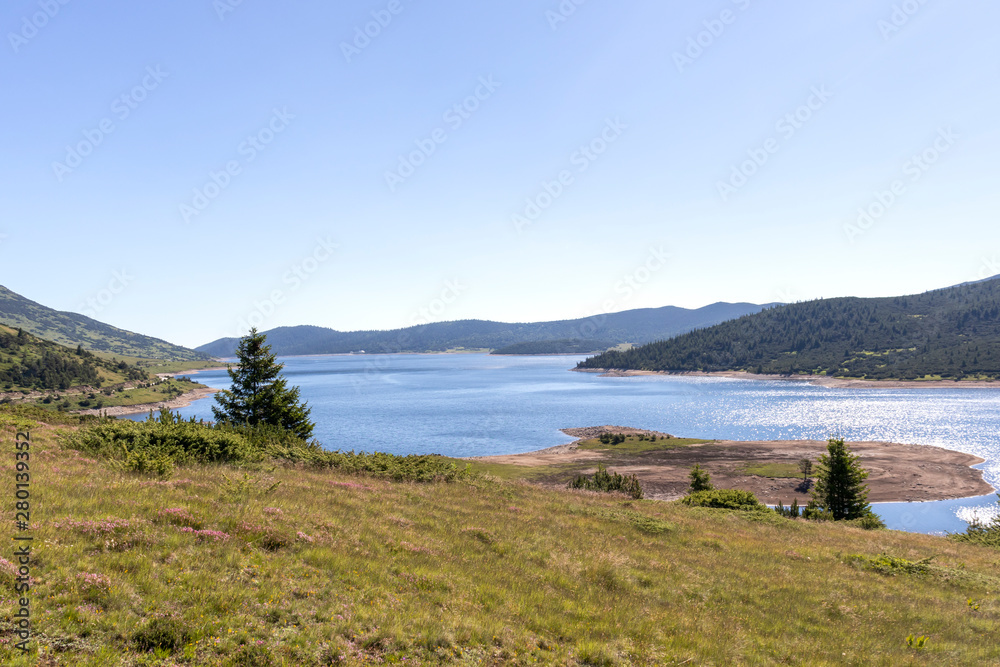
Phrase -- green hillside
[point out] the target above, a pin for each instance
(72, 329)
(28, 363)
(951, 333)
(561, 346)
(313, 566)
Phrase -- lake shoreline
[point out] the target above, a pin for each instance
(816, 380)
(182, 401)
(897, 472)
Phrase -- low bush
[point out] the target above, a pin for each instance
(156, 445)
(889, 565)
(411, 468)
(161, 632)
(609, 483)
(868, 522)
(730, 499)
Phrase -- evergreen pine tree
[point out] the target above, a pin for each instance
(840, 487)
(700, 480)
(260, 395)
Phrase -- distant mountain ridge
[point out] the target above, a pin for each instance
(73, 329)
(630, 326)
(950, 333)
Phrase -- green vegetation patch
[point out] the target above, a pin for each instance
(309, 566)
(889, 565)
(510, 471)
(609, 482)
(158, 445)
(732, 499)
(776, 470)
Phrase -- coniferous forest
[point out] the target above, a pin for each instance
(951, 333)
(29, 363)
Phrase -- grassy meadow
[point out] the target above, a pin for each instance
(280, 564)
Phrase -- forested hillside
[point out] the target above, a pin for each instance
(560, 346)
(952, 333)
(630, 326)
(72, 329)
(28, 363)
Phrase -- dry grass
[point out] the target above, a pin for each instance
(325, 568)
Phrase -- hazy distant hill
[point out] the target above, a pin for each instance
(72, 329)
(630, 326)
(951, 333)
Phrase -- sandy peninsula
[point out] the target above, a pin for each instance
(181, 401)
(819, 380)
(897, 472)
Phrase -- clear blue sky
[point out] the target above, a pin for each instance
(312, 133)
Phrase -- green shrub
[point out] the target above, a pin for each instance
(170, 436)
(889, 565)
(609, 482)
(730, 499)
(700, 480)
(147, 463)
(161, 632)
(157, 444)
(869, 521)
(411, 468)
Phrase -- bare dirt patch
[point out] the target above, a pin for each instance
(897, 472)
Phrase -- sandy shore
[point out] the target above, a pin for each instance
(181, 401)
(897, 472)
(819, 380)
(187, 373)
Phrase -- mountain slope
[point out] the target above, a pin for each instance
(948, 333)
(72, 329)
(28, 363)
(630, 326)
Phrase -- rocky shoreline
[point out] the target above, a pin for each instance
(181, 401)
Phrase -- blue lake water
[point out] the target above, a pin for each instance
(477, 404)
